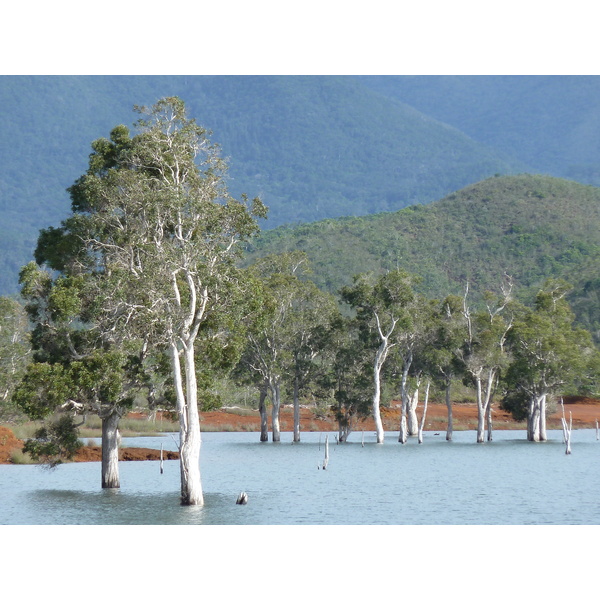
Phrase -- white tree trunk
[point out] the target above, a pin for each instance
(403, 434)
(110, 451)
(296, 411)
(543, 432)
(422, 423)
(536, 419)
(413, 419)
(379, 360)
(189, 427)
(484, 397)
(276, 403)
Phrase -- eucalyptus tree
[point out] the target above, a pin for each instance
(549, 355)
(284, 342)
(159, 234)
(412, 352)
(347, 374)
(308, 337)
(447, 340)
(484, 352)
(15, 352)
(73, 373)
(380, 305)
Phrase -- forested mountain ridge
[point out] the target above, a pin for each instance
(531, 227)
(310, 147)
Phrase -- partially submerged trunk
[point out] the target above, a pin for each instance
(413, 420)
(484, 397)
(536, 419)
(189, 426)
(344, 431)
(262, 410)
(110, 450)
(276, 403)
(567, 428)
(403, 434)
(422, 423)
(379, 360)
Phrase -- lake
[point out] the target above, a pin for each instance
(506, 482)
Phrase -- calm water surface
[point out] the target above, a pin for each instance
(506, 482)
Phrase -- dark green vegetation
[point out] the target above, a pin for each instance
(310, 147)
(530, 227)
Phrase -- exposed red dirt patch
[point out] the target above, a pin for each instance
(585, 413)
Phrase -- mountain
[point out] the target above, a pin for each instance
(531, 227)
(312, 147)
(551, 123)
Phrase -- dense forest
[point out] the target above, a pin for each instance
(311, 147)
(531, 227)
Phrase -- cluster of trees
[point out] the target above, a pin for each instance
(141, 291)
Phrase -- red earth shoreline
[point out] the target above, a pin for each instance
(585, 413)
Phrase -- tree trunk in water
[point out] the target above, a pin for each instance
(110, 451)
(489, 421)
(422, 423)
(403, 434)
(413, 420)
(449, 429)
(379, 360)
(480, 414)
(189, 427)
(262, 410)
(533, 421)
(296, 411)
(543, 433)
(275, 411)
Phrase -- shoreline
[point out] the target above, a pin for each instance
(585, 413)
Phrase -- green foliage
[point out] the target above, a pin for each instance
(55, 442)
(475, 235)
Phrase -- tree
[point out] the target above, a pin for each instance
(287, 337)
(347, 373)
(447, 340)
(73, 371)
(380, 305)
(159, 234)
(549, 355)
(14, 353)
(483, 354)
(412, 348)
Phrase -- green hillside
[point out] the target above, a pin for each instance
(312, 147)
(529, 226)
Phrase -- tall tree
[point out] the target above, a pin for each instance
(483, 355)
(347, 373)
(286, 339)
(380, 305)
(73, 372)
(158, 230)
(448, 337)
(549, 356)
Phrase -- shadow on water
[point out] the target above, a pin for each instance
(115, 507)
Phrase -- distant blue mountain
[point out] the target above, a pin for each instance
(312, 147)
